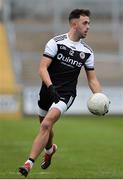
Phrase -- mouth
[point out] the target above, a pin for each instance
(85, 33)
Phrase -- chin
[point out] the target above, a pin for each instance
(83, 37)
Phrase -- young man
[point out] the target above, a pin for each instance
(60, 66)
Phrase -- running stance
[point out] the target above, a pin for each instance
(63, 58)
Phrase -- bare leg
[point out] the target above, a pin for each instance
(50, 140)
(42, 138)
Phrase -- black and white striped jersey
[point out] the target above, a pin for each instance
(68, 57)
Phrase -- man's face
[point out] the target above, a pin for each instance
(82, 26)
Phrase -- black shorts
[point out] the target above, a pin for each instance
(45, 102)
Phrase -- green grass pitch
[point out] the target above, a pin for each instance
(88, 147)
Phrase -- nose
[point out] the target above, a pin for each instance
(88, 27)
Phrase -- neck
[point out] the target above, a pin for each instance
(73, 36)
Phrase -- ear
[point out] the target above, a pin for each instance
(74, 23)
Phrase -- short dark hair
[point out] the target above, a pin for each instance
(76, 13)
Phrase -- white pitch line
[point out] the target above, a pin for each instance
(40, 173)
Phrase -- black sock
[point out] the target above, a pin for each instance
(32, 160)
(48, 147)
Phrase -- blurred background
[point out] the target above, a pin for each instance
(25, 28)
(91, 146)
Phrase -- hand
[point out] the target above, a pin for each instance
(53, 94)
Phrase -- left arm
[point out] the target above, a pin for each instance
(93, 81)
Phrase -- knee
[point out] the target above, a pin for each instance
(45, 126)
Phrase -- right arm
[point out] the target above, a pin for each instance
(46, 60)
(43, 70)
(49, 53)
(44, 74)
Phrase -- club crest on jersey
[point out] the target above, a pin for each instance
(82, 55)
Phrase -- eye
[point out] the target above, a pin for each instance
(85, 23)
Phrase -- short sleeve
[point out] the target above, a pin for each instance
(89, 64)
(50, 49)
